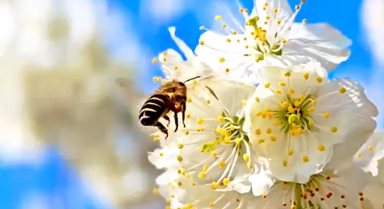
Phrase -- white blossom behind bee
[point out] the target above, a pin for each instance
(269, 36)
(213, 148)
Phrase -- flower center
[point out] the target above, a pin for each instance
(293, 115)
(229, 134)
(319, 188)
(261, 45)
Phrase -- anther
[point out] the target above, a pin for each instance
(218, 18)
(249, 165)
(319, 80)
(214, 185)
(290, 152)
(155, 191)
(285, 163)
(333, 129)
(222, 59)
(201, 42)
(269, 131)
(342, 90)
(180, 158)
(305, 159)
(321, 147)
(226, 181)
(154, 60)
(246, 157)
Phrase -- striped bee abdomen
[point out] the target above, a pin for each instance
(153, 109)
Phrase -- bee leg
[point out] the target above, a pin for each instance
(162, 129)
(167, 118)
(176, 122)
(183, 113)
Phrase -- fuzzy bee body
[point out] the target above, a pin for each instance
(171, 96)
(154, 108)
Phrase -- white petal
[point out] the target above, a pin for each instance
(284, 13)
(183, 47)
(234, 64)
(164, 158)
(373, 150)
(205, 197)
(320, 41)
(323, 33)
(261, 183)
(352, 105)
(373, 194)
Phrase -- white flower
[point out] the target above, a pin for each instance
(175, 68)
(295, 118)
(370, 153)
(214, 149)
(372, 195)
(270, 36)
(165, 157)
(183, 192)
(334, 187)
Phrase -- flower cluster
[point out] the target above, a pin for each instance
(265, 127)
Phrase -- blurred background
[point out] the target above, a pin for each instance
(69, 137)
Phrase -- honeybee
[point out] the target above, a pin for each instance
(171, 96)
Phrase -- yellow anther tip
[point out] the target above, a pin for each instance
(218, 18)
(226, 181)
(333, 129)
(342, 90)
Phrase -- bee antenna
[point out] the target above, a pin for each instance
(191, 79)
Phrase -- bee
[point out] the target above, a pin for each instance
(171, 96)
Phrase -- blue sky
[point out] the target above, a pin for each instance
(54, 180)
